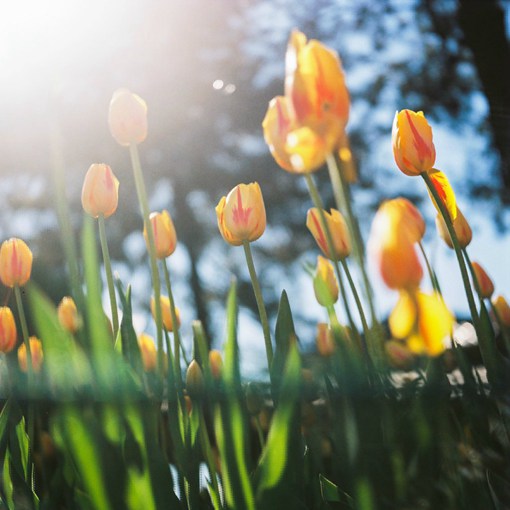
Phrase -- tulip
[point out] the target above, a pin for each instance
(68, 315)
(100, 192)
(215, 363)
(165, 238)
(445, 192)
(502, 309)
(8, 334)
(148, 352)
(241, 214)
(325, 285)
(324, 340)
(406, 217)
(36, 353)
(127, 118)
(194, 380)
(15, 262)
(423, 320)
(411, 138)
(483, 284)
(166, 313)
(460, 225)
(337, 228)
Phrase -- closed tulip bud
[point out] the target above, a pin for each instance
(411, 138)
(166, 313)
(68, 315)
(165, 238)
(8, 334)
(461, 227)
(148, 352)
(407, 216)
(127, 118)
(337, 228)
(194, 380)
(324, 340)
(483, 283)
(100, 192)
(15, 262)
(36, 353)
(215, 363)
(325, 285)
(502, 309)
(241, 214)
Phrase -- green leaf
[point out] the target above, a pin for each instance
(332, 494)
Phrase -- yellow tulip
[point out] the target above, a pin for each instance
(484, 285)
(413, 148)
(8, 333)
(215, 363)
(460, 226)
(194, 380)
(337, 228)
(166, 313)
(36, 353)
(423, 320)
(165, 238)
(445, 192)
(148, 352)
(241, 214)
(100, 191)
(325, 285)
(68, 315)
(15, 262)
(127, 118)
(503, 310)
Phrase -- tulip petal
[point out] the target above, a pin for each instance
(445, 192)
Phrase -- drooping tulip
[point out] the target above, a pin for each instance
(325, 285)
(166, 313)
(36, 353)
(127, 117)
(337, 227)
(241, 214)
(413, 148)
(165, 238)
(68, 315)
(15, 262)
(100, 191)
(8, 333)
(460, 226)
(483, 284)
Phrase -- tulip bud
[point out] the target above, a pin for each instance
(407, 216)
(68, 315)
(241, 214)
(100, 192)
(324, 340)
(8, 334)
(36, 353)
(127, 118)
(502, 309)
(460, 226)
(325, 285)
(194, 380)
(215, 364)
(483, 283)
(15, 262)
(411, 138)
(337, 228)
(165, 238)
(148, 352)
(166, 313)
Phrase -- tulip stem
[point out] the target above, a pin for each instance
(432, 273)
(144, 205)
(317, 202)
(109, 275)
(260, 303)
(175, 323)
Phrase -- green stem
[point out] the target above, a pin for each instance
(342, 197)
(474, 279)
(432, 273)
(142, 198)
(317, 202)
(175, 323)
(260, 303)
(206, 447)
(109, 275)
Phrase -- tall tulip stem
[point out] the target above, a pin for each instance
(432, 273)
(109, 275)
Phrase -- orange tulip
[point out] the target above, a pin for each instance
(324, 340)
(8, 334)
(36, 353)
(127, 118)
(215, 363)
(241, 214)
(15, 262)
(165, 238)
(325, 285)
(460, 226)
(100, 192)
(406, 217)
(503, 310)
(166, 313)
(148, 352)
(483, 284)
(445, 192)
(337, 228)
(413, 148)
(68, 315)
(423, 320)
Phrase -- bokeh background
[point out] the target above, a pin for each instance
(207, 71)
